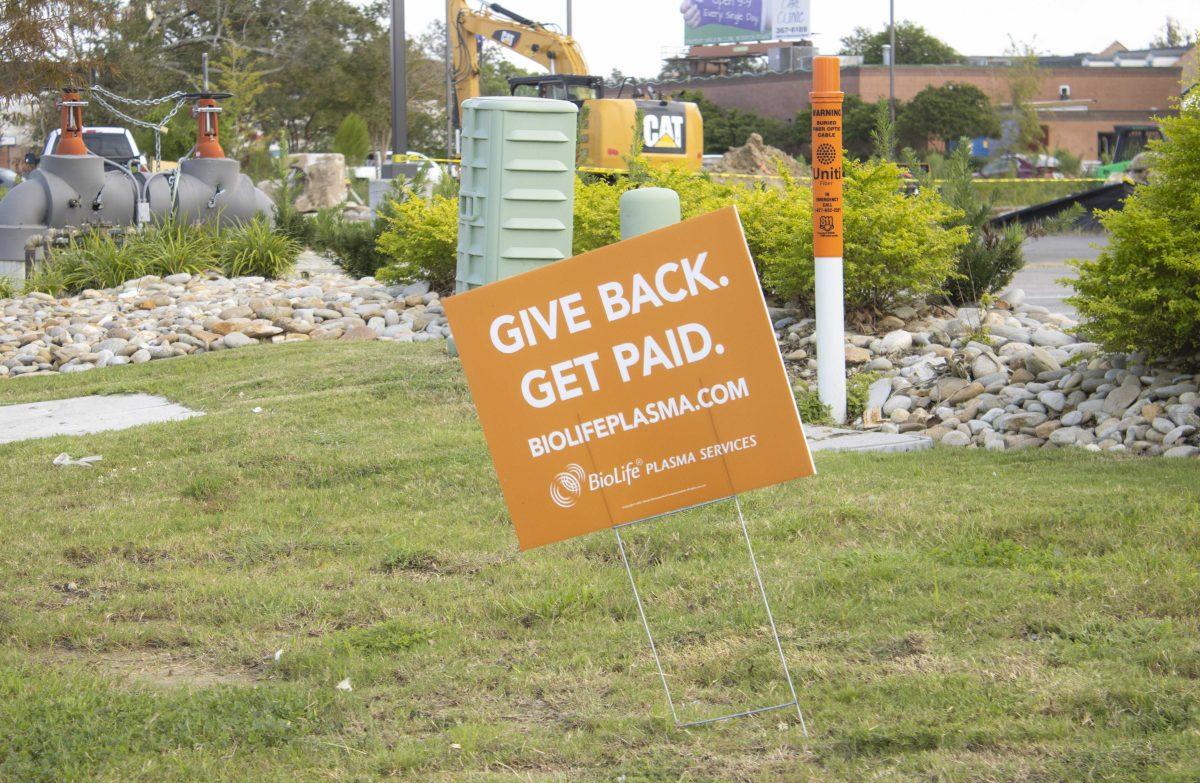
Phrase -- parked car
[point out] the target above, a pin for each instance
(1012, 164)
(8, 178)
(115, 145)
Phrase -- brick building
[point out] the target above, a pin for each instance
(1082, 98)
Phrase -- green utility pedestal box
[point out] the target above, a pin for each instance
(517, 191)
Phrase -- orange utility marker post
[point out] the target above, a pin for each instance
(826, 99)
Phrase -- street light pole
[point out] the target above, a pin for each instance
(568, 17)
(451, 103)
(399, 89)
(892, 59)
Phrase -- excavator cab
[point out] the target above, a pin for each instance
(563, 87)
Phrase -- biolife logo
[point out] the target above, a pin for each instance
(567, 486)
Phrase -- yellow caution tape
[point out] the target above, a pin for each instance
(620, 172)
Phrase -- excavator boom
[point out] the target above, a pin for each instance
(558, 53)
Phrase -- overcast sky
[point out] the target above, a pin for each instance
(630, 34)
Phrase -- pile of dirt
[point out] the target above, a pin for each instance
(756, 157)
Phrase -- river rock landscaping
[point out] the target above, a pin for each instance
(1009, 377)
(161, 318)
(1006, 378)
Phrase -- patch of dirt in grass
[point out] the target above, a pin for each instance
(907, 646)
(422, 565)
(83, 555)
(158, 669)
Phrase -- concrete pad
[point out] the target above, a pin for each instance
(835, 439)
(85, 415)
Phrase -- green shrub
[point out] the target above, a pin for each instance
(597, 200)
(352, 244)
(597, 214)
(896, 245)
(857, 387)
(7, 289)
(48, 277)
(777, 223)
(812, 410)
(1069, 163)
(991, 256)
(173, 247)
(1064, 222)
(769, 214)
(725, 128)
(256, 249)
(96, 260)
(352, 139)
(420, 239)
(1143, 291)
(288, 220)
(257, 162)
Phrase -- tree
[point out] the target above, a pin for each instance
(992, 256)
(1173, 35)
(427, 85)
(947, 112)
(48, 43)
(322, 58)
(1143, 292)
(726, 128)
(1024, 79)
(352, 140)
(858, 127)
(914, 46)
(883, 135)
(240, 73)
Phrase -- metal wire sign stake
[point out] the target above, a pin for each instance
(762, 591)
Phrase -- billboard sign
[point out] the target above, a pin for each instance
(631, 381)
(733, 21)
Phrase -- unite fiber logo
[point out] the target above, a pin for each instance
(567, 486)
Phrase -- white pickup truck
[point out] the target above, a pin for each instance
(113, 144)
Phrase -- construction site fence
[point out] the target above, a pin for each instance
(734, 175)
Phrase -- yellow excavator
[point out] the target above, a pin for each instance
(672, 132)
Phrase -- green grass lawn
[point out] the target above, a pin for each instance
(948, 616)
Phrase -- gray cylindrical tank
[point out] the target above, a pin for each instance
(65, 190)
(209, 189)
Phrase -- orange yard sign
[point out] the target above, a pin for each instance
(631, 381)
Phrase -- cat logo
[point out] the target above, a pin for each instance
(662, 129)
(507, 37)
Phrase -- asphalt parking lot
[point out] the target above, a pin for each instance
(1046, 262)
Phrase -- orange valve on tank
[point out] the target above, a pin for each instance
(208, 140)
(826, 99)
(70, 132)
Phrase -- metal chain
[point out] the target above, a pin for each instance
(100, 94)
(137, 101)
